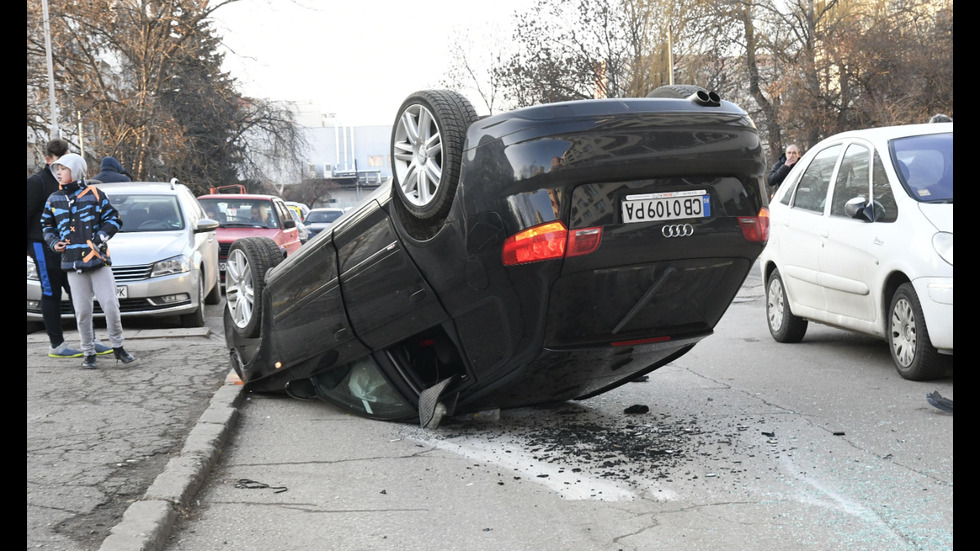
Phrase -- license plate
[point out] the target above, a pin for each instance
(651, 207)
(122, 291)
(221, 266)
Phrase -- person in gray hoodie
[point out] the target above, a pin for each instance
(77, 222)
(111, 170)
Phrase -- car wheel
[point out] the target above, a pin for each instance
(908, 338)
(426, 150)
(248, 261)
(677, 91)
(213, 297)
(196, 318)
(783, 325)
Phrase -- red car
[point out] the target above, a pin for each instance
(250, 215)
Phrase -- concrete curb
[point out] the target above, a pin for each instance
(147, 523)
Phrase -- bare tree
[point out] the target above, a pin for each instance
(142, 80)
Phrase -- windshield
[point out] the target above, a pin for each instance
(241, 213)
(925, 166)
(146, 213)
(322, 216)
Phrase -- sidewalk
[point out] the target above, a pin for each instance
(137, 440)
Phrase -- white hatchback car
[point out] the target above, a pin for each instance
(165, 258)
(861, 238)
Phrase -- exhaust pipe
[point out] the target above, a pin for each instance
(709, 99)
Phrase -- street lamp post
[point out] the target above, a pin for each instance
(54, 131)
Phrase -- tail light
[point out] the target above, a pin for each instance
(755, 228)
(550, 241)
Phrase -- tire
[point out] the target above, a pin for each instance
(908, 338)
(213, 297)
(426, 151)
(196, 318)
(248, 261)
(783, 325)
(677, 91)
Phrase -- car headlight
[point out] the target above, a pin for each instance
(943, 243)
(175, 265)
(32, 270)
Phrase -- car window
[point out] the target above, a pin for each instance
(322, 216)
(250, 213)
(924, 165)
(852, 178)
(886, 210)
(811, 192)
(146, 213)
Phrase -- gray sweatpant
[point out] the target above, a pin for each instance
(101, 284)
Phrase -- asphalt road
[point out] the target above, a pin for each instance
(746, 444)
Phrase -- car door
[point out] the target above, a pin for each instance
(802, 230)
(849, 253)
(386, 297)
(290, 233)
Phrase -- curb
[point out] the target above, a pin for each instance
(147, 523)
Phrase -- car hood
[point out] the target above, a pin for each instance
(941, 215)
(134, 249)
(227, 235)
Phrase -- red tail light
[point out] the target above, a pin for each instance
(543, 242)
(755, 228)
(583, 241)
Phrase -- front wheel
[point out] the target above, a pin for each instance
(783, 325)
(195, 318)
(908, 338)
(248, 261)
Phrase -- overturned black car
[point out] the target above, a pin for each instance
(549, 253)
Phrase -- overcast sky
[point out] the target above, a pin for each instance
(356, 58)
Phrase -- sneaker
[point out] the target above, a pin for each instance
(89, 362)
(101, 349)
(63, 351)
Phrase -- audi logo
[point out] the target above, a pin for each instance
(677, 230)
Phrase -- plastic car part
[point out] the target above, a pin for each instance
(755, 228)
(426, 151)
(248, 261)
(431, 410)
(544, 242)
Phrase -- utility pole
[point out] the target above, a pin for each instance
(55, 131)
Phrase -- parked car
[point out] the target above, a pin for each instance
(862, 239)
(164, 259)
(304, 232)
(251, 215)
(319, 219)
(299, 208)
(545, 254)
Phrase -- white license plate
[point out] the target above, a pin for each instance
(651, 207)
(122, 291)
(221, 266)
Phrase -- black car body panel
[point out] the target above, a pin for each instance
(439, 303)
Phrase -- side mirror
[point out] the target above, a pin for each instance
(205, 225)
(289, 223)
(858, 208)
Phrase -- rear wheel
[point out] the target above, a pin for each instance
(248, 261)
(783, 325)
(427, 149)
(908, 338)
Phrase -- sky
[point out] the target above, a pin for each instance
(358, 59)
